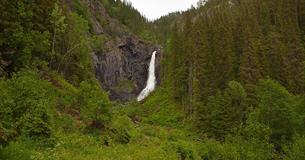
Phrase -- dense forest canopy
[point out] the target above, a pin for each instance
(232, 82)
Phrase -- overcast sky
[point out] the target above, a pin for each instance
(154, 9)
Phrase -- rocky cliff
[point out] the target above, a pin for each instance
(121, 65)
(124, 69)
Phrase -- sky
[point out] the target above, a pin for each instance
(154, 9)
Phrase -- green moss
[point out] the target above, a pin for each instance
(125, 86)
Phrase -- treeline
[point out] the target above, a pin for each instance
(130, 17)
(162, 27)
(220, 62)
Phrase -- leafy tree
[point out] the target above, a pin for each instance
(94, 104)
(24, 35)
(59, 26)
(74, 60)
(26, 106)
(276, 109)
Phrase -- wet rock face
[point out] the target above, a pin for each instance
(122, 65)
(124, 69)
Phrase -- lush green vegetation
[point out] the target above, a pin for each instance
(130, 17)
(233, 84)
(237, 69)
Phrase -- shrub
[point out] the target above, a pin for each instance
(296, 150)
(277, 110)
(26, 106)
(186, 150)
(94, 103)
(238, 148)
(18, 150)
(123, 129)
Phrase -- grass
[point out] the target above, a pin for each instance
(149, 130)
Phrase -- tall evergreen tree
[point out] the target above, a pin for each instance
(224, 113)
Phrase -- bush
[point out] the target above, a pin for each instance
(238, 148)
(75, 63)
(160, 110)
(123, 130)
(186, 150)
(18, 150)
(277, 110)
(94, 104)
(296, 150)
(26, 106)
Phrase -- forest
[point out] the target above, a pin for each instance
(232, 82)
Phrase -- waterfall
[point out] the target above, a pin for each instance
(151, 81)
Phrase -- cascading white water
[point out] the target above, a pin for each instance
(151, 81)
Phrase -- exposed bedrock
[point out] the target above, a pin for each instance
(123, 71)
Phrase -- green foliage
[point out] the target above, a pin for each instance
(296, 150)
(148, 36)
(178, 68)
(244, 41)
(206, 49)
(59, 26)
(160, 110)
(256, 130)
(81, 10)
(223, 113)
(186, 150)
(237, 149)
(163, 26)
(98, 42)
(27, 106)
(18, 150)
(94, 103)
(40, 34)
(123, 129)
(276, 109)
(74, 61)
(57, 19)
(67, 92)
(223, 40)
(25, 36)
(125, 86)
(130, 17)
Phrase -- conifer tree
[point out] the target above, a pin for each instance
(224, 113)
(178, 68)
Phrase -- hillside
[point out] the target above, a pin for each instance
(120, 57)
(230, 78)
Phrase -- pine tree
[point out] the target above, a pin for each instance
(224, 113)
(200, 53)
(251, 65)
(178, 68)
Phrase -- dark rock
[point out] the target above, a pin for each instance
(124, 70)
(122, 65)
